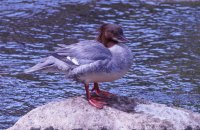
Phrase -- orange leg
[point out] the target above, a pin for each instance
(94, 101)
(100, 92)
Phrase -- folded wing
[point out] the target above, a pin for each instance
(75, 59)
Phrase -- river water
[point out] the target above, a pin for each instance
(165, 41)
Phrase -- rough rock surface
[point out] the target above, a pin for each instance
(121, 113)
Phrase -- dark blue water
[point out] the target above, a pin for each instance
(165, 41)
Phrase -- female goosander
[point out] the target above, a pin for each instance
(92, 61)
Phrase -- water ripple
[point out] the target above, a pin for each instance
(164, 41)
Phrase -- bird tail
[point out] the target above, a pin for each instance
(49, 64)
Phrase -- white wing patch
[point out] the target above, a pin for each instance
(73, 60)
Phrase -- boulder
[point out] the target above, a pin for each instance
(121, 113)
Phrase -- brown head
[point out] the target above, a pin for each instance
(111, 34)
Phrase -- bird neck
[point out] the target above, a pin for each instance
(106, 42)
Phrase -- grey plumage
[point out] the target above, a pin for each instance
(88, 61)
(49, 64)
(85, 51)
(87, 55)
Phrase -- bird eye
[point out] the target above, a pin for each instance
(111, 31)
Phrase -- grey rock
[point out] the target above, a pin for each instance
(121, 113)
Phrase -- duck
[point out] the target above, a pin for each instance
(104, 59)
